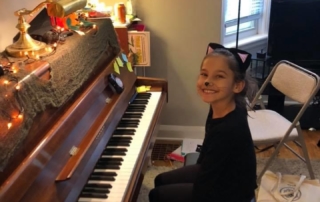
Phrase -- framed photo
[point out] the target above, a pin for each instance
(139, 45)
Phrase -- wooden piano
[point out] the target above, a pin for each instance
(96, 147)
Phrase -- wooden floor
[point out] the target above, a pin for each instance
(311, 138)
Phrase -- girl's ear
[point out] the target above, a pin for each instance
(239, 86)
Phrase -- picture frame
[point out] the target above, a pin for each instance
(139, 46)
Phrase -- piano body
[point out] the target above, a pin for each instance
(95, 147)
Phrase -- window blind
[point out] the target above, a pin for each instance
(250, 10)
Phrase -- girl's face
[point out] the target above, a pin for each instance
(219, 78)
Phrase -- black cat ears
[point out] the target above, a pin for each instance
(243, 58)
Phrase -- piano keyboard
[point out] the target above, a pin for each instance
(109, 179)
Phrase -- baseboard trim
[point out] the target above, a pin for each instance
(178, 132)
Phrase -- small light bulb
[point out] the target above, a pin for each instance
(9, 125)
(18, 87)
(6, 82)
(20, 116)
(14, 71)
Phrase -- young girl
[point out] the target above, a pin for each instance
(226, 168)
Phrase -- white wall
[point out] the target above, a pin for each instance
(180, 32)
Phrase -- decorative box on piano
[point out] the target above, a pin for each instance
(78, 139)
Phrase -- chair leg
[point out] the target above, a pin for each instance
(274, 154)
(305, 152)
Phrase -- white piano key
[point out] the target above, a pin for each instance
(119, 186)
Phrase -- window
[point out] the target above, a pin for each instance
(253, 16)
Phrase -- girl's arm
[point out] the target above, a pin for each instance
(211, 178)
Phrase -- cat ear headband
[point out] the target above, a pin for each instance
(243, 58)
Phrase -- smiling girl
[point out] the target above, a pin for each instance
(226, 167)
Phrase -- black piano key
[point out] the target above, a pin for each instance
(123, 144)
(107, 166)
(109, 162)
(130, 121)
(127, 125)
(93, 195)
(121, 139)
(143, 95)
(95, 190)
(104, 161)
(136, 107)
(124, 132)
(115, 151)
(100, 186)
(102, 178)
(135, 110)
(139, 102)
(110, 174)
(132, 115)
(143, 98)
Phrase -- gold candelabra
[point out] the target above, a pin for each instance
(26, 45)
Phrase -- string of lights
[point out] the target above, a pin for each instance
(10, 69)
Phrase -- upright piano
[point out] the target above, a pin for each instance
(96, 146)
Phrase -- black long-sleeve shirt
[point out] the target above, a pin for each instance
(227, 159)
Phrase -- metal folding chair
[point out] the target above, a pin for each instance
(269, 127)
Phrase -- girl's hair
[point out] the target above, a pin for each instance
(251, 87)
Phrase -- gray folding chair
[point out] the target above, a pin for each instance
(269, 127)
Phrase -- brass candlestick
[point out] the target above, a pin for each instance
(26, 45)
